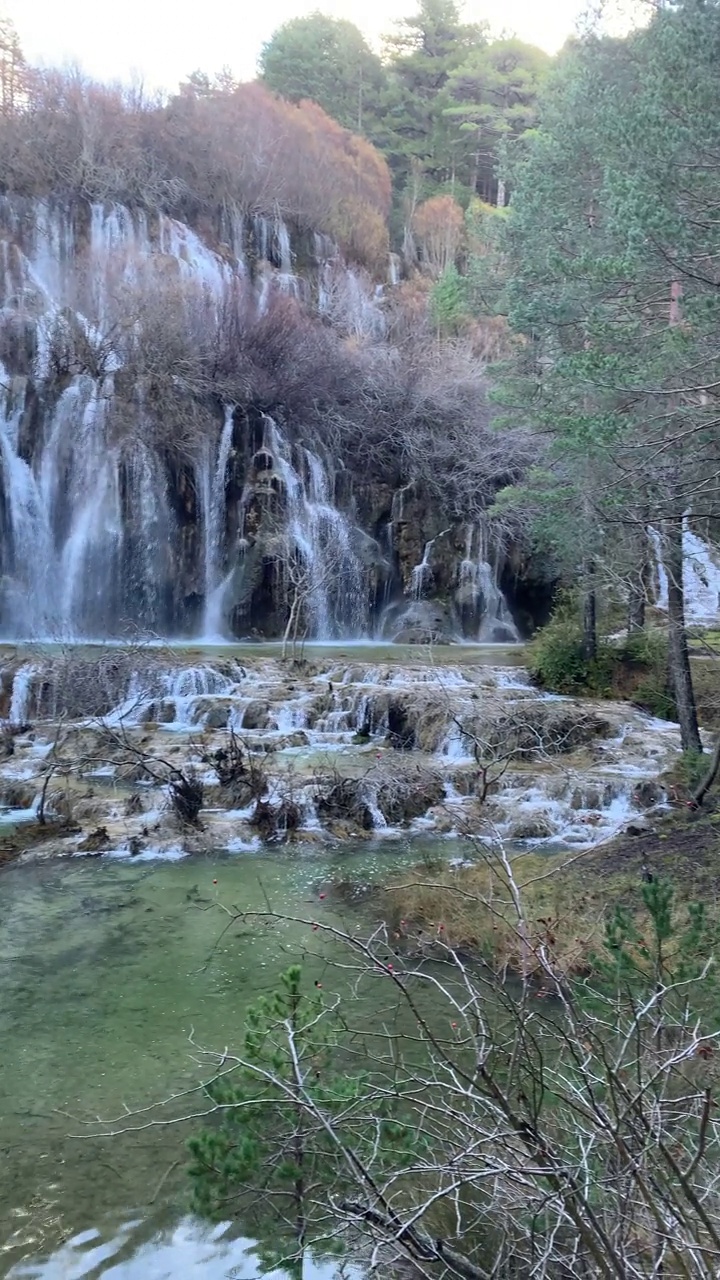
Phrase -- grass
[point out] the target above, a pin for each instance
(566, 898)
(706, 641)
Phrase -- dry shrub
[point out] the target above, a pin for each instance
(472, 909)
(210, 147)
(438, 224)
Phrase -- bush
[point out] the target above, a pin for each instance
(635, 668)
(557, 663)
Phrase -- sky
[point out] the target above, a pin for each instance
(160, 42)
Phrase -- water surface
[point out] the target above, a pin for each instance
(105, 970)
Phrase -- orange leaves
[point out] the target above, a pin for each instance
(438, 224)
(214, 144)
(253, 149)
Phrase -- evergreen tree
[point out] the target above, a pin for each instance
(428, 46)
(491, 100)
(328, 61)
(614, 286)
(275, 1141)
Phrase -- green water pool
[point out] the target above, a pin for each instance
(105, 970)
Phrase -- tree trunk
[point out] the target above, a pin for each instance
(640, 588)
(636, 610)
(589, 640)
(678, 655)
(710, 776)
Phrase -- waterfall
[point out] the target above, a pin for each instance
(21, 690)
(27, 557)
(75, 562)
(479, 593)
(212, 490)
(111, 515)
(421, 572)
(89, 559)
(335, 587)
(701, 576)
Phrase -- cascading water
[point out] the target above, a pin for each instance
(75, 567)
(331, 577)
(701, 576)
(478, 591)
(212, 490)
(103, 528)
(422, 572)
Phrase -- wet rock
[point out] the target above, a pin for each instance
(535, 728)
(639, 827)
(89, 809)
(465, 781)
(256, 715)
(17, 795)
(161, 712)
(588, 799)
(400, 800)
(647, 794)
(421, 622)
(499, 633)
(96, 842)
(139, 802)
(443, 822)
(217, 716)
(535, 827)
(135, 846)
(342, 800)
(401, 732)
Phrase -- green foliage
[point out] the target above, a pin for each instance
(635, 667)
(661, 944)
(613, 317)
(689, 770)
(270, 1139)
(448, 301)
(441, 106)
(556, 661)
(491, 101)
(328, 61)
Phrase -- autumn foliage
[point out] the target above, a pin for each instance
(438, 228)
(211, 147)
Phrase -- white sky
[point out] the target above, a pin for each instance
(162, 41)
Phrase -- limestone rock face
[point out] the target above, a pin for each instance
(132, 503)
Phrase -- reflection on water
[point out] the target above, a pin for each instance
(188, 1249)
(105, 968)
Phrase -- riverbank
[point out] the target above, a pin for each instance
(566, 899)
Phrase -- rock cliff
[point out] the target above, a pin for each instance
(169, 461)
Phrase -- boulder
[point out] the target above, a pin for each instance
(639, 827)
(17, 795)
(161, 712)
(420, 622)
(217, 716)
(533, 827)
(647, 794)
(256, 715)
